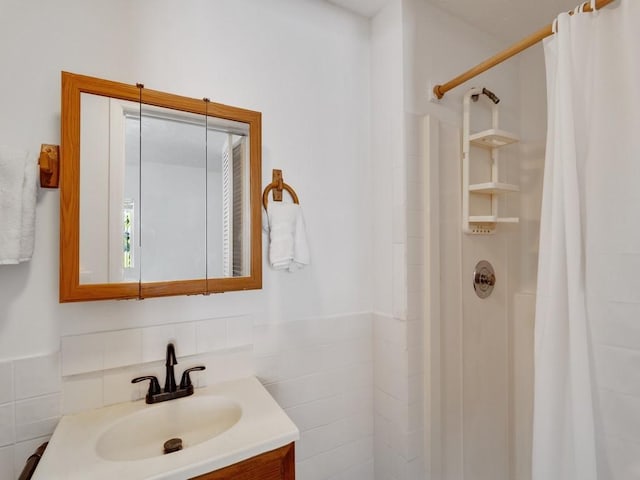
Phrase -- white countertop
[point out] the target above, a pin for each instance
(262, 427)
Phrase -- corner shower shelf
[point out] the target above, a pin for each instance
(492, 219)
(492, 140)
(493, 188)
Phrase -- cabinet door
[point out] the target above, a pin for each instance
(275, 465)
(172, 195)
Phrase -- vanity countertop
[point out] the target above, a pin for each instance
(73, 451)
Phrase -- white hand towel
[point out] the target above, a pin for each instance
(16, 235)
(288, 248)
(29, 196)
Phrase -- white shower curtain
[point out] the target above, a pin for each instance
(587, 345)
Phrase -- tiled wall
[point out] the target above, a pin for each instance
(29, 409)
(97, 368)
(319, 370)
(398, 400)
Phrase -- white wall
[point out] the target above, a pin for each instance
(305, 66)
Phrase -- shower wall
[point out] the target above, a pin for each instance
(524, 259)
(452, 373)
(478, 353)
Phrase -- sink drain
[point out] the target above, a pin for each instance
(172, 445)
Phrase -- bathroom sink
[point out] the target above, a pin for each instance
(142, 434)
(219, 425)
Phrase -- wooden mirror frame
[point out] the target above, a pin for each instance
(71, 290)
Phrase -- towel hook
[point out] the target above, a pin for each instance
(49, 165)
(277, 185)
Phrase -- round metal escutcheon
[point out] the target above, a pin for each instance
(484, 279)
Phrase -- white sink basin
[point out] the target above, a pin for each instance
(192, 419)
(220, 425)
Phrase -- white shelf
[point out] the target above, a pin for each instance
(493, 138)
(492, 219)
(493, 188)
(482, 219)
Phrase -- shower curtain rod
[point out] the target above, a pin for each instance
(440, 90)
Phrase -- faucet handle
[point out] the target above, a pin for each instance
(185, 382)
(154, 385)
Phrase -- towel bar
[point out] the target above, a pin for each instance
(277, 185)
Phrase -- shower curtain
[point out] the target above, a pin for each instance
(587, 333)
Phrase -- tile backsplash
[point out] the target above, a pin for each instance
(122, 348)
(97, 368)
(30, 408)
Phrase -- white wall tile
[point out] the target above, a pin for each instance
(415, 222)
(364, 471)
(36, 376)
(415, 335)
(82, 353)
(239, 331)
(415, 278)
(399, 187)
(37, 429)
(399, 224)
(223, 366)
(304, 389)
(117, 386)
(357, 399)
(300, 362)
(7, 422)
(415, 192)
(36, 409)
(6, 463)
(320, 439)
(211, 335)
(302, 333)
(335, 461)
(123, 347)
(267, 368)
(82, 392)
(399, 281)
(23, 450)
(6, 380)
(318, 412)
(415, 251)
(349, 327)
(267, 339)
(155, 340)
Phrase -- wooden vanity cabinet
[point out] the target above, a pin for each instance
(277, 464)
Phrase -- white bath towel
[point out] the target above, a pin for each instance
(17, 205)
(288, 247)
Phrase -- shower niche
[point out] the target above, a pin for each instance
(483, 188)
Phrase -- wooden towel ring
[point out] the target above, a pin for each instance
(278, 185)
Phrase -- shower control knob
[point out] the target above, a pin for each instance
(484, 279)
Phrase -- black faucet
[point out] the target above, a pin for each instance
(171, 391)
(170, 379)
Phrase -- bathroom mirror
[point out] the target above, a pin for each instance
(160, 194)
